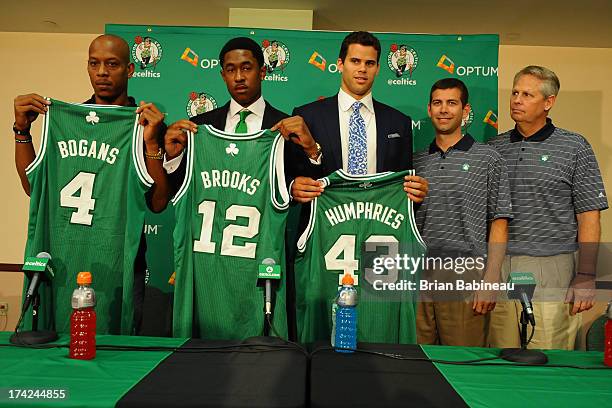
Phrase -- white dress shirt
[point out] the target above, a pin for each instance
(253, 121)
(345, 109)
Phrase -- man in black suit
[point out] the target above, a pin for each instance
(387, 131)
(243, 70)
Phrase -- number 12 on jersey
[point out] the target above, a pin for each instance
(231, 231)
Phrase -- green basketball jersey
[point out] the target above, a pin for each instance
(230, 217)
(358, 219)
(87, 207)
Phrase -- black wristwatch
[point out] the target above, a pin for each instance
(21, 132)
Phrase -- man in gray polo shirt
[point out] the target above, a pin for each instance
(557, 194)
(464, 217)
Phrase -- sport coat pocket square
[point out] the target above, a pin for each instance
(393, 136)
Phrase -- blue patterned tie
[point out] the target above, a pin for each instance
(358, 147)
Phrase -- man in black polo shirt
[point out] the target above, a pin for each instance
(464, 217)
(557, 194)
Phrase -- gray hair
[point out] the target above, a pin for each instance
(550, 81)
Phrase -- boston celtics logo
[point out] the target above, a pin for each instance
(92, 118)
(467, 121)
(200, 102)
(232, 150)
(276, 55)
(402, 59)
(146, 52)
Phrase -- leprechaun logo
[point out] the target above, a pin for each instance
(402, 59)
(467, 121)
(276, 57)
(200, 102)
(146, 53)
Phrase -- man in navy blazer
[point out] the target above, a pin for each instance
(243, 70)
(389, 132)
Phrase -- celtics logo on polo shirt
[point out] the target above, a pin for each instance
(402, 60)
(146, 53)
(200, 102)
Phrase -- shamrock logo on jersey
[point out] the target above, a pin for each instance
(92, 118)
(465, 167)
(232, 149)
(545, 157)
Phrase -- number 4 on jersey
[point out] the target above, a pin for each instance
(348, 264)
(83, 202)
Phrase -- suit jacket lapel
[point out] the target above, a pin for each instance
(267, 121)
(219, 120)
(381, 135)
(332, 125)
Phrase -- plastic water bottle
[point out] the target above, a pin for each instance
(83, 319)
(346, 316)
(608, 338)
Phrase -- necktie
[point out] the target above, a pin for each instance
(358, 147)
(241, 127)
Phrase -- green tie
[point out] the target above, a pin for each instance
(241, 127)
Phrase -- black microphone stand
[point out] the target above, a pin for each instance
(522, 354)
(33, 336)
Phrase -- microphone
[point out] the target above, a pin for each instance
(42, 270)
(523, 286)
(268, 270)
(526, 303)
(39, 268)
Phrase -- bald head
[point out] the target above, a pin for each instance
(109, 68)
(112, 43)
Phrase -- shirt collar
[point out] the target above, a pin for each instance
(464, 144)
(345, 101)
(92, 101)
(258, 107)
(539, 136)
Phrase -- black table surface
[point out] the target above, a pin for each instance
(377, 381)
(252, 377)
(205, 373)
